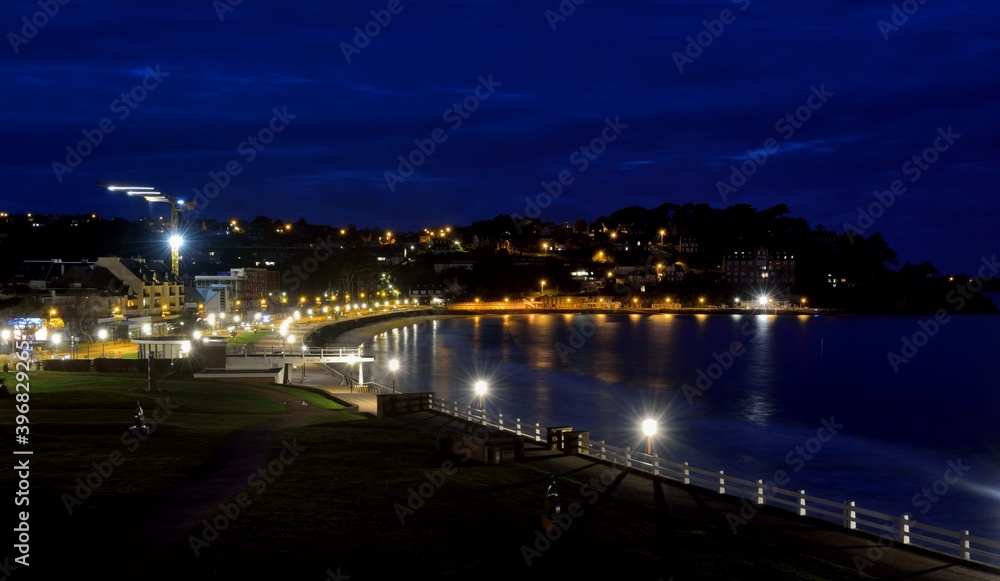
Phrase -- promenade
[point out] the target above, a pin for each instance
(869, 554)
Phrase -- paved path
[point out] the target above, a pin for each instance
(244, 454)
(808, 535)
(316, 379)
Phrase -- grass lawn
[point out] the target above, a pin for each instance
(345, 499)
(244, 338)
(312, 398)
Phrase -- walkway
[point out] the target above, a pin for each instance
(316, 380)
(816, 537)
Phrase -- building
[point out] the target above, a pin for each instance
(154, 289)
(238, 291)
(753, 267)
(255, 284)
(688, 246)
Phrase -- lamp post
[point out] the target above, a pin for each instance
(543, 287)
(304, 347)
(351, 360)
(649, 428)
(394, 367)
(103, 336)
(480, 391)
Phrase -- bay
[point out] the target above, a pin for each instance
(816, 402)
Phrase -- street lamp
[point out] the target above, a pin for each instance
(480, 391)
(56, 339)
(147, 330)
(103, 335)
(394, 367)
(351, 360)
(543, 287)
(649, 428)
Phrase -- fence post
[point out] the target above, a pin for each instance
(456, 410)
(722, 481)
(687, 473)
(538, 433)
(656, 465)
(850, 516)
(802, 503)
(904, 529)
(604, 455)
(500, 421)
(760, 491)
(966, 554)
(518, 426)
(628, 457)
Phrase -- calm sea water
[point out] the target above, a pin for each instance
(898, 428)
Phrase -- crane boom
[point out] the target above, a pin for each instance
(151, 195)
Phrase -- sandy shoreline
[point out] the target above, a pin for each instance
(357, 336)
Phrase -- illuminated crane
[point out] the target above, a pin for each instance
(176, 205)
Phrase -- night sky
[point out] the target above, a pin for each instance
(511, 92)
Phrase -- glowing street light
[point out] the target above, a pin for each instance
(103, 336)
(649, 429)
(147, 330)
(394, 367)
(543, 286)
(480, 391)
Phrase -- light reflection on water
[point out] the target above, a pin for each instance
(899, 429)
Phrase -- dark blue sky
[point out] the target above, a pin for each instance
(683, 120)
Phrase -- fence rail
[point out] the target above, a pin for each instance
(294, 352)
(898, 528)
(371, 387)
(333, 373)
